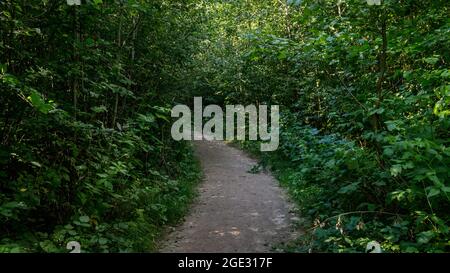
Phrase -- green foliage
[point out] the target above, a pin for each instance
(84, 150)
(350, 201)
(364, 89)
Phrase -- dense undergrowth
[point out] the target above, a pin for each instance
(347, 201)
(126, 190)
(85, 147)
(364, 91)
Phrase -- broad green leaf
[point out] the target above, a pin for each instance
(432, 191)
(84, 219)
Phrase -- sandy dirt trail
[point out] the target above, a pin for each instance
(236, 211)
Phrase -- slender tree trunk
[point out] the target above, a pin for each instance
(76, 58)
(119, 43)
(339, 8)
(382, 63)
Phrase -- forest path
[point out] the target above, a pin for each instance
(236, 211)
